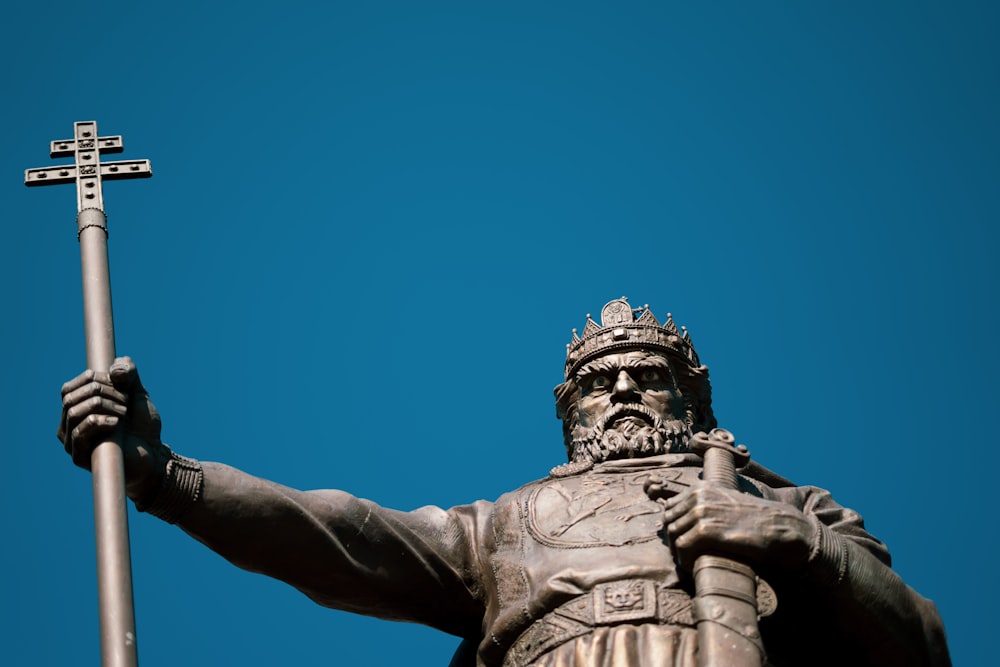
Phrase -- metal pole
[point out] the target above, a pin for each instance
(114, 568)
(725, 603)
(114, 561)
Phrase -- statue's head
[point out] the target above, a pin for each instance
(633, 387)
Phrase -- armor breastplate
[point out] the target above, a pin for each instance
(561, 538)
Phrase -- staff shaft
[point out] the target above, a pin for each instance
(114, 568)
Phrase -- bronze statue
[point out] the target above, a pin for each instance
(595, 565)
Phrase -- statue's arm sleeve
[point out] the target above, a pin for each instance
(343, 552)
(849, 570)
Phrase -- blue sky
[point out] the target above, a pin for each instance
(372, 226)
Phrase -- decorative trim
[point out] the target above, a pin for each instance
(183, 480)
(827, 561)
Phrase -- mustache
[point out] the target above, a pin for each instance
(623, 410)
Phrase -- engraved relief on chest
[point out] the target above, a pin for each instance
(598, 509)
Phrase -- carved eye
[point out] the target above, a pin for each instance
(650, 375)
(600, 382)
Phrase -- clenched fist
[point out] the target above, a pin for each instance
(708, 519)
(95, 404)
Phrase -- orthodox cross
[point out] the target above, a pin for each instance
(114, 567)
(88, 170)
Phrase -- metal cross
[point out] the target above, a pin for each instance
(88, 170)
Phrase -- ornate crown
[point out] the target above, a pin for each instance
(626, 328)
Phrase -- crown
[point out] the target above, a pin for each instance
(626, 328)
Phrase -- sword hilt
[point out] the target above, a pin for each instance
(721, 458)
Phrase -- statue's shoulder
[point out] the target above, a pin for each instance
(519, 495)
(759, 473)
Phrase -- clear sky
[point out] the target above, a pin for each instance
(372, 226)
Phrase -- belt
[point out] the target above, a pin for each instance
(611, 603)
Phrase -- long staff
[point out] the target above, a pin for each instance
(114, 567)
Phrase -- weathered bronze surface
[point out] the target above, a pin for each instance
(634, 552)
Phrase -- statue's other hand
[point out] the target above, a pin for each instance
(762, 533)
(95, 404)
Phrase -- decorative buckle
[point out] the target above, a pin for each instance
(620, 601)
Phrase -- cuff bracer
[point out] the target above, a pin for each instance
(180, 488)
(827, 562)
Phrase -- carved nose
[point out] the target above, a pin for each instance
(625, 387)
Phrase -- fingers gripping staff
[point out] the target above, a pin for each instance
(94, 405)
(92, 408)
(114, 571)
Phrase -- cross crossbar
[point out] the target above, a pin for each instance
(67, 147)
(110, 171)
(88, 171)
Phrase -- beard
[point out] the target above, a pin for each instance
(629, 431)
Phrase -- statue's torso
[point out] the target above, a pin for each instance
(590, 548)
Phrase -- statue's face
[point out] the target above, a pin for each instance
(628, 385)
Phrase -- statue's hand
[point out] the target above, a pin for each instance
(759, 532)
(95, 404)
